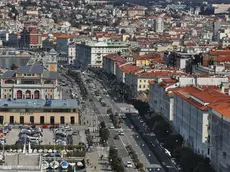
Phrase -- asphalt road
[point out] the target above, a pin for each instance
(148, 139)
(157, 149)
(130, 137)
(101, 113)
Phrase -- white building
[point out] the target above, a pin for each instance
(219, 135)
(160, 92)
(161, 97)
(90, 54)
(191, 116)
(71, 53)
(159, 25)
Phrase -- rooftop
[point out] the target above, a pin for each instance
(147, 56)
(205, 95)
(129, 68)
(39, 103)
(221, 107)
(220, 52)
(30, 69)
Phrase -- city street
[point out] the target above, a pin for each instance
(130, 135)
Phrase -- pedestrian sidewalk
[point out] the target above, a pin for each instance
(96, 164)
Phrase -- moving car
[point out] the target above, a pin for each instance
(129, 164)
(116, 137)
(111, 127)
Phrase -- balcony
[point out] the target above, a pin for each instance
(34, 85)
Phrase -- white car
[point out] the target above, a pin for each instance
(129, 165)
(111, 127)
(121, 134)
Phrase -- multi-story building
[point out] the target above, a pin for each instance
(30, 37)
(191, 115)
(71, 53)
(39, 111)
(90, 54)
(161, 97)
(219, 135)
(30, 82)
(160, 91)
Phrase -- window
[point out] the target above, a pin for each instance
(21, 119)
(52, 120)
(62, 120)
(42, 120)
(32, 119)
(140, 80)
(28, 74)
(143, 86)
(72, 120)
(11, 119)
(144, 80)
(1, 119)
(139, 86)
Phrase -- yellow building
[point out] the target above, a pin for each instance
(39, 112)
(146, 59)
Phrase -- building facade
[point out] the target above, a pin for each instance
(90, 54)
(219, 135)
(30, 82)
(161, 97)
(191, 116)
(39, 111)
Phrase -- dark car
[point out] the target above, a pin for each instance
(116, 137)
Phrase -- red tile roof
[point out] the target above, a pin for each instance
(221, 107)
(222, 58)
(148, 56)
(220, 52)
(129, 68)
(201, 94)
(119, 59)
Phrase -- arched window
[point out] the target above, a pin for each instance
(19, 94)
(36, 94)
(28, 94)
(9, 81)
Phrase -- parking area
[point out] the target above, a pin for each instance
(12, 137)
(48, 136)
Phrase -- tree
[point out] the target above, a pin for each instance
(173, 141)
(13, 67)
(156, 118)
(181, 152)
(120, 168)
(189, 162)
(102, 124)
(123, 31)
(104, 134)
(162, 130)
(203, 167)
(109, 111)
